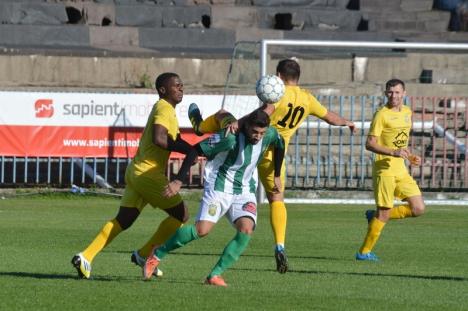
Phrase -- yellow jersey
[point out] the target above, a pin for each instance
(392, 129)
(293, 108)
(150, 157)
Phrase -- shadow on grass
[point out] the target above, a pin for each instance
(408, 276)
(175, 253)
(51, 276)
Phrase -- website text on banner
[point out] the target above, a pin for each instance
(38, 124)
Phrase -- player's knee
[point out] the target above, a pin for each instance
(126, 217)
(179, 212)
(125, 223)
(245, 225)
(247, 230)
(202, 230)
(418, 210)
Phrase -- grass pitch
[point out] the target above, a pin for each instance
(423, 261)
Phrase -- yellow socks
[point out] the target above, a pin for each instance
(165, 230)
(110, 230)
(209, 125)
(278, 218)
(401, 211)
(373, 233)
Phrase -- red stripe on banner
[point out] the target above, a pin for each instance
(67, 141)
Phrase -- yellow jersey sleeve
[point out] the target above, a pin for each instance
(293, 108)
(316, 108)
(165, 115)
(377, 124)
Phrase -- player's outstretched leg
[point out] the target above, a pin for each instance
(195, 118)
(230, 255)
(183, 236)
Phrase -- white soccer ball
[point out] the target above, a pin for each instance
(270, 89)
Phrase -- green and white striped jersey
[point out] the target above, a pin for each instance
(232, 160)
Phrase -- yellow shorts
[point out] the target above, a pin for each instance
(142, 189)
(266, 171)
(387, 188)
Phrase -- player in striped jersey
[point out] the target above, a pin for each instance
(230, 186)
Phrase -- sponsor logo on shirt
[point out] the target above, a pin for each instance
(250, 207)
(401, 140)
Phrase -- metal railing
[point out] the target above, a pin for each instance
(319, 155)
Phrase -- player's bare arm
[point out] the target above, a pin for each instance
(373, 145)
(334, 119)
(160, 136)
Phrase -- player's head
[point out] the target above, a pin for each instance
(288, 70)
(256, 125)
(395, 92)
(170, 87)
(394, 82)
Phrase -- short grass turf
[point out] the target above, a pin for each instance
(424, 261)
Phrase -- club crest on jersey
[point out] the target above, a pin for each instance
(212, 208)
(407, 119)
(214, 139)
(401, 140)
(250, 207)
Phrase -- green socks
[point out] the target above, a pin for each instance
(183, 236)
(231, 253)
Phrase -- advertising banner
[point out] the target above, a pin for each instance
(91, 124)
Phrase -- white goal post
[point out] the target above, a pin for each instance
(428, 46)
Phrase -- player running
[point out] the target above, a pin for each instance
(388, 137)
(286, 116)
(230, 185)
(146, 179)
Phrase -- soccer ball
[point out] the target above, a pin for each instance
(270, 89)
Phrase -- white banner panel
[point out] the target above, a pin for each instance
(104, 109)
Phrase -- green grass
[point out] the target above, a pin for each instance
(424, 261)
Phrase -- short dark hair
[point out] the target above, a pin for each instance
(162, 79)
(394, 82)
(258, 118)
(289, 69)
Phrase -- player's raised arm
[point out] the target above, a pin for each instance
(335, 119)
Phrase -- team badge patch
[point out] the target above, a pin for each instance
(212, 207)
(250, 207)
